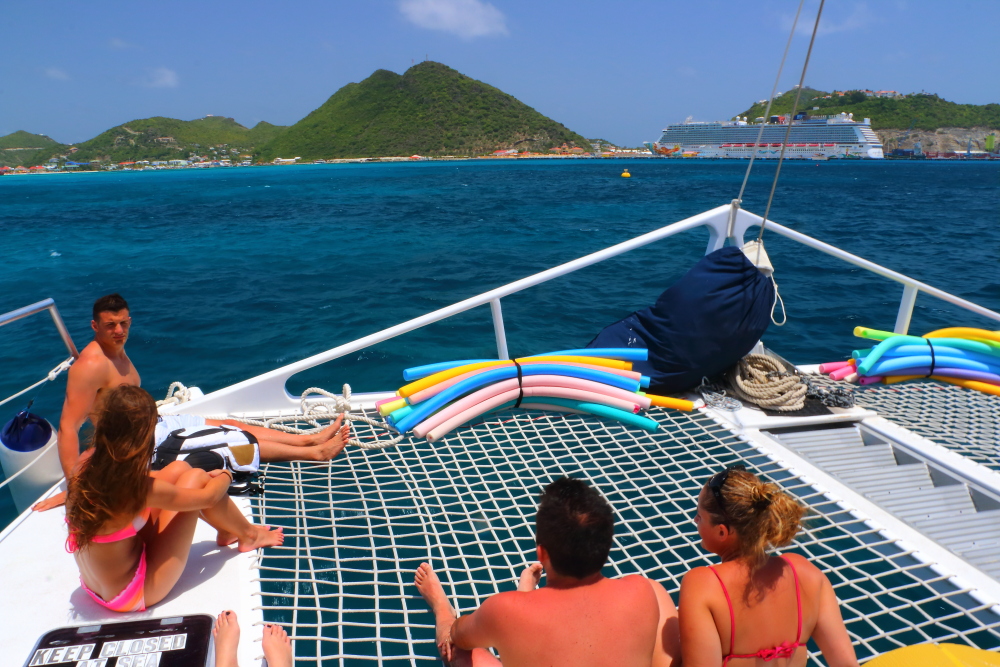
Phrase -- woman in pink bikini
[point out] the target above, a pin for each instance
(755, 608)
(130, 529)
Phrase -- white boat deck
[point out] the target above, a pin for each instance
(41, 587)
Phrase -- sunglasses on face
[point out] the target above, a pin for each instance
(718, 481)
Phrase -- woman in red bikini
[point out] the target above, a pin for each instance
(755, 608)
(130, 529)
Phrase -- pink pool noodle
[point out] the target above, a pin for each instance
(385, 400)
(833, 366)
(548, 407)
(505, 397)
(596, 392)
(870, 380)
(481, 401)
(842, 373)
(441, 386)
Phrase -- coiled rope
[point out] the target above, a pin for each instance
(311, 411)
(763, 380)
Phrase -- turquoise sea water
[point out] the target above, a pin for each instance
(231, 273)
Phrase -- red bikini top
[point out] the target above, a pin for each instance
(782, 650)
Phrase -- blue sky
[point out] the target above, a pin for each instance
(616, 70)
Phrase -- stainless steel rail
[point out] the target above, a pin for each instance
(266, 393)
(46, 304)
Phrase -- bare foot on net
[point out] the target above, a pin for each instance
(530, 578)
(332, 446)
(261, 536)
(227, 639)
(224, 538)
(329, 432)
(277, 646)
(430, 587)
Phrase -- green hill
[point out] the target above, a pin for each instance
(162, 138)
(20, 148)
(924, 111)
(429, 110)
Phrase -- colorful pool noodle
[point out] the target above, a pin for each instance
(939, 350)
(892, 365)
(485, 399)
(670, 402)
(957, 373)
(870, 380)
(422, 410)
(896, 341)
(834, 366)
(989, 340)
(431, 380)
(968, 384)
(424, 394)
(598, 409)
(619, 354)
(842, 373)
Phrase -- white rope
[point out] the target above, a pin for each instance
(312, 411)
(177, 393)
(762, 380)
(52, 375)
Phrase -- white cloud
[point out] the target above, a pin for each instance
(56, 73)
(859, 18)
(161, 77)
(119, 44)
(465, 18)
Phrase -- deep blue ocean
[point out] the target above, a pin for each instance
(233, 272)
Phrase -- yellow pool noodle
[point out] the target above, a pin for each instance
(391, 406)
(431, 380)
(667, 402)
(984, 387)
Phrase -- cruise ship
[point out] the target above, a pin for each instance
(810, 138)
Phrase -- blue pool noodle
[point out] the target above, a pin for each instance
(891, 365)
(424, 409)
(939, 351)
(864, 368)
(418, 372)
(620, 353)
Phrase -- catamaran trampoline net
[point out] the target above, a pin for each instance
(357, 529)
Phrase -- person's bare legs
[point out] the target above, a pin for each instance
(168, 539)
(277, 646)
(227, 518)
(282, 438)
(227, 639)
(430, 588)
(530, 578)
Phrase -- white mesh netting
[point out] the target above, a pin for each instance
(358, 528)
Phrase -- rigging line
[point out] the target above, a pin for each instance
(770, 101)
(795, 106)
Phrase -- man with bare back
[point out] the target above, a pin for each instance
(103, 365)
(579, 618)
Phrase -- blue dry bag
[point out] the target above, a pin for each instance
(26, 432)
(702, 325)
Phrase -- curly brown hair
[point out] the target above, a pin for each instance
(115, 479)
(763, 516)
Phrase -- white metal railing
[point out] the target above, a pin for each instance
(267, 393)
(20, 313)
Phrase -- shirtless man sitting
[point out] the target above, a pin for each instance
(580, 618)
(103, 365)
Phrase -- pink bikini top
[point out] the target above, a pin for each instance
(782, 650)
(128, 531)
